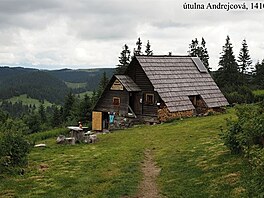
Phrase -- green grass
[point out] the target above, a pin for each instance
(48, 134)
(75, 85)
(193, 161)
(27, 101)
(258, 92)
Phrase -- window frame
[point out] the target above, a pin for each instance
(147, 102)
(114, 99)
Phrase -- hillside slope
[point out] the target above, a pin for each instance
(11, 72)
(91, 77)
(192, 158)
(80, 80)
(38, 84)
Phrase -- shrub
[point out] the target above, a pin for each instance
(231, 137)
(234, 97)
(33, 122)
(255, 157)
(246, 136)
(14, 125)
(240, 95)
(247, 130)
(247, 93)
(3, 116)
(259, 95)
(14, 149)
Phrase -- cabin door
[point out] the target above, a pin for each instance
(134, 102)
(97, 121)
(131, 101)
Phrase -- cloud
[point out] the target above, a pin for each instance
(82, 33)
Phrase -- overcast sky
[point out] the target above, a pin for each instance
(52, 34)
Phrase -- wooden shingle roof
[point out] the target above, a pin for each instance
(177, 77)
(128, 83)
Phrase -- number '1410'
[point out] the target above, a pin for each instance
(257, 5)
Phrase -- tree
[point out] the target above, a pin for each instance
(244, 60)
(56, 117)
(228, 73)
(102, 84)
(124, 60)
(204, 56)
(148, 51)
(137, 51)
(200, 50)
(33, 122)
(259, 75)
(85, 109)
(42, 113)
(3, 116)
(94, 98)
(68, 106)
(194, 48)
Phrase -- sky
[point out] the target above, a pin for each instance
(77, 34)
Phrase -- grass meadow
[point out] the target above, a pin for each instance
(193, 161)
(75, 85)
(88, 93)
(28, 101)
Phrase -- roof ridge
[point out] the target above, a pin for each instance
(165, 56)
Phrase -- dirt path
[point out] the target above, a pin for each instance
(148, 187)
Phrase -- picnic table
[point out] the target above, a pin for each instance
(79, 135)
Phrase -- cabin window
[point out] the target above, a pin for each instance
(149, 99)
(116, 101)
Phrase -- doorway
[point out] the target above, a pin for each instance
(198, 103)
(134, 102)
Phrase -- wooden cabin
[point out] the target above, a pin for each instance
(157, 88)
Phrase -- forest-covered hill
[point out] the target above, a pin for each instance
(51, 85)
(89, 76)
(11, 72)
(80, 75)
(37, 84)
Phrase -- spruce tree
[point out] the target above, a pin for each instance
(137, 51)
(85, 109)
(102, 84)
(244, 59)
(68, 106)
(33, 122)
(259, 75)
(94, 99)
(148, 51)
(124, 60)
(42, 113)
(56, 117)
(228, 72)
(204, 56)
(194, 48)
(200, 50)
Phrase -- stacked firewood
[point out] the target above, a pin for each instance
(165, 115)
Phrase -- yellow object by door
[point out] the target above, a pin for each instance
(97, 121)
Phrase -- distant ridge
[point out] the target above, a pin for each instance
(36, 84)
(8, 72)
(48, 84)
